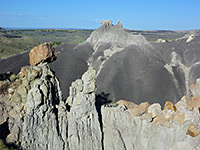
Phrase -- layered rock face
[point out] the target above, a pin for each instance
(37, 116)
(32, 117)
(84, 128)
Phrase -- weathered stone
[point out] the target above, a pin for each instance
(128, 104)
(179, 118)
(147, 116)
(160, 120)
(28, 75)
(24, 71)
(154, 109)
(13, 113)
(168, 114)
(184, 102)
(42, 53)
(193, 130)
(16, 97)
(140, 109)
(195, 89)
(165, 118)
(196, 101)
(3, 113)
(169, 106)
(84, 127)
(34, 122)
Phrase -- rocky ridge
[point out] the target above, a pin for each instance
(44, 120)
(115, 38)
(114, 34)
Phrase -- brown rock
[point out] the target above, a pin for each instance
(168, 114)
(196, 101)
(42, 53)
(195, 89)
(128, 104)
(170, 106)
(193, 130)
(185, 102)
(140, 109)
(154, 109)
(160, 120)
(179, 118)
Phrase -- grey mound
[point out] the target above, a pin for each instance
(127, 65)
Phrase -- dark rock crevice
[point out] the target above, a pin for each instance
(4, 131)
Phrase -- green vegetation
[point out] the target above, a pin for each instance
(4, 147)
(55, 43)
(14, 46)
(113, 104)
(160, 34)
(13, 42)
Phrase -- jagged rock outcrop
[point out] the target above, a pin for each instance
(32, 115)
(114, 34)
(42, 53)
(44, 120)
(169, 129)
(84, 130)
(37, 124)
(40, 127)
(39, 118)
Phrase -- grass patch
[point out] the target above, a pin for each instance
(4, 147)
(14, 42)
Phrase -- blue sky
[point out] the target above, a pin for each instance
(87, 14)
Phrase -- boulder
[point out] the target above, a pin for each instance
(179, 118)
(193, 130)
(184, 102)
(161, 121)
(154, 109)
(195, 89)
(128, 104)
(169, 106)
(196, 101)
(42, 53)
(140, 109)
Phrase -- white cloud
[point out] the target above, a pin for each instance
(97, 21)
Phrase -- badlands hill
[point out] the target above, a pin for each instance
(127, 65)
(66, 105)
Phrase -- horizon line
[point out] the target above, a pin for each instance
(60, 28)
